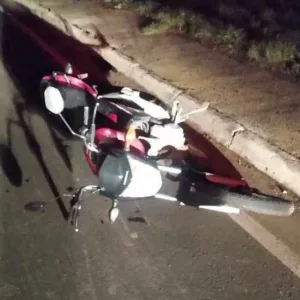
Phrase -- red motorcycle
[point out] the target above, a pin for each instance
(121, 161)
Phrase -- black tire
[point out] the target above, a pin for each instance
(262, 204)
(204, 193)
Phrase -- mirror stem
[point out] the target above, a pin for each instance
(86, 116)
(93, 126)
(94, 113)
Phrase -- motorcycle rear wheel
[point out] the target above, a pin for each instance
(205, 194)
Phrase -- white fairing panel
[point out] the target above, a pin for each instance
(146, 180)
(162, 136)
(152, 109)
(149, 108)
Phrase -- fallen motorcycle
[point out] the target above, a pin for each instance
(125, 174)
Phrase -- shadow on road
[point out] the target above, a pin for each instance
(35, 148)
(208, 156)
(26, 63)
(10, 166)
(35, 244)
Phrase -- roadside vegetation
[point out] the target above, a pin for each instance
(267, 32)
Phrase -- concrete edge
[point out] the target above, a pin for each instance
(277, 164)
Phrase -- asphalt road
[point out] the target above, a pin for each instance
(154, 251)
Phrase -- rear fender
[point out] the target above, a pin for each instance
(230, 182)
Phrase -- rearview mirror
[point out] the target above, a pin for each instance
(53, 100)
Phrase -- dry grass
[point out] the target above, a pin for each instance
(280, 52)
(146, 9)
(231, 36)
(164, 22)
(256, 52)
(155, 28)
(273, 52)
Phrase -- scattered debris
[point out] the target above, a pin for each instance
(35, 206)
(137, 220)
(70, 189)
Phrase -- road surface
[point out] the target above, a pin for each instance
(154, 251)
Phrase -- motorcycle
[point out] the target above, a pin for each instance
(122, 172)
